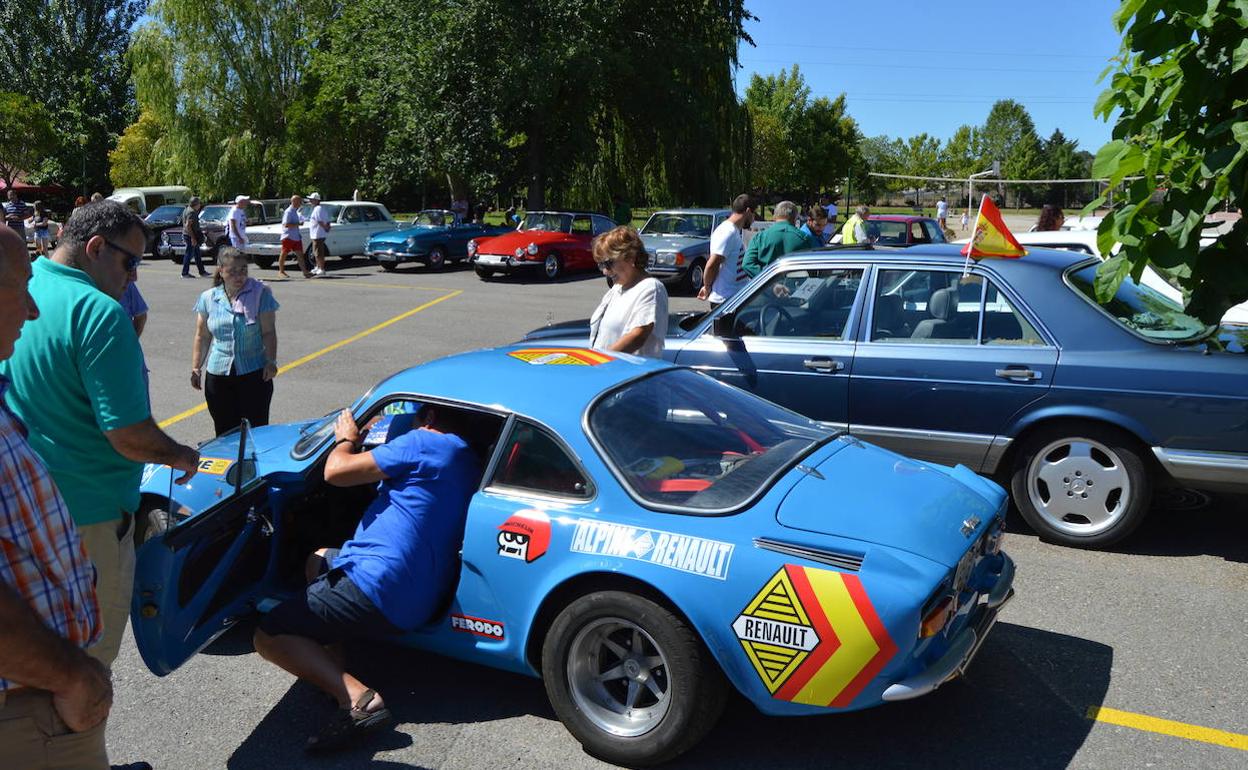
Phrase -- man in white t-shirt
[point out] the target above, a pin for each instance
(942, 212)
(236, 224)
(723, 275)
(318, 231)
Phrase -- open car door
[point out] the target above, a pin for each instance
(198, 573)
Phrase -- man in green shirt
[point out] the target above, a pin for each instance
(777, 240)
(76, 378)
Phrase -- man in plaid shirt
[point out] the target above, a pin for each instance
(54, 698)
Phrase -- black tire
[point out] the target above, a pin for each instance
(552, 266)
(1053, 483)
(484, 274)
(389, 267)
(150, 523)
(437, 258)
(691, 283)
(263, 261)
(693, 688)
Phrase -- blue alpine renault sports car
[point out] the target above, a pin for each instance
(434, 237)
(641, 541)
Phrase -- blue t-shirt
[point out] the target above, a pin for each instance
(403, 554)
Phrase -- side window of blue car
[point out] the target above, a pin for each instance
(945, 307)
(533, 460)
(802, 303)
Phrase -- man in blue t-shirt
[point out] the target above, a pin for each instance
(390, 576)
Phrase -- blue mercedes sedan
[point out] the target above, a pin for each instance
(1007, 366)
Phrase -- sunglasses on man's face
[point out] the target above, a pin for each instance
(132, 260)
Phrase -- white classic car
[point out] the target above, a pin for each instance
(352, 223)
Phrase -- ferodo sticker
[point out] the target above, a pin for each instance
(561, 356)
(813, 636)
(481, 627)
(696, 555)
(524, 536)
(214, 465)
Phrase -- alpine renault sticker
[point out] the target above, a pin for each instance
(561, 356)
(524, 536)
(813, 636)
(490, 629)
(695, 555)
(215, 466)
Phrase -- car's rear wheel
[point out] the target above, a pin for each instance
(629, 679)
(1081, 485)
(263, 261)
(694, 278)
(437, 258)
(552, 266)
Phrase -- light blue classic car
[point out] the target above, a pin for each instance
(679, 243)
(435, 237)
(642, 537)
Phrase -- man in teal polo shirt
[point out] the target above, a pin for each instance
(76, 379)
(777, 240)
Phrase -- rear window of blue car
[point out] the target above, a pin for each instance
(1140, 309)
(684, 441)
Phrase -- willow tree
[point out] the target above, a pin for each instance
(220, 79)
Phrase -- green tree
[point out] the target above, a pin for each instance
(26, 135)
(69, 55)
(883, 155)
(221, 78)
(962, 154)
(1178, 86)
(132, 161)
(1009, 135)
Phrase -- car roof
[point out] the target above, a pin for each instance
(570, 213)
(506, 378)
(692, 211)
(1041, 237)
(942, 254)
(898, 218)
(353, 203)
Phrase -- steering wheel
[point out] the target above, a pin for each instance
(774, 320)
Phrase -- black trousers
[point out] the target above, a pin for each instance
(234, 397)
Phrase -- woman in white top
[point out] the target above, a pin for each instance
(632, 317)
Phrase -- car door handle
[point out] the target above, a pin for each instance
(1018, 374)
(826, 365)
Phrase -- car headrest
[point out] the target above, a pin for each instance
(943, 304)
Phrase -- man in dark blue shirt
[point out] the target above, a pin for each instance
(15, 213)
(392, 574)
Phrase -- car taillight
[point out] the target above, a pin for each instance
(937, 618)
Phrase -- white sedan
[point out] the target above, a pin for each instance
(352, 223)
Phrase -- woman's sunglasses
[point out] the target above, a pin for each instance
(606, 264)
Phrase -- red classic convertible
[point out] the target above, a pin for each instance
(548, 241)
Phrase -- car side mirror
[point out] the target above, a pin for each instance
(724, 326)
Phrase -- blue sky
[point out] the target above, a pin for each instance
(908, 67)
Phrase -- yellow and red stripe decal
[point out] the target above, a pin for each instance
(561, 356)
(814, 637)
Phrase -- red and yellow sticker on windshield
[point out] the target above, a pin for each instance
(813, 636)
(214, 465)
(561, 356)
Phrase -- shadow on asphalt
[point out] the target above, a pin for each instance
(1023, 704)
(1188, 525)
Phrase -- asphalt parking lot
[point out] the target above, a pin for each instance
(1127, 658)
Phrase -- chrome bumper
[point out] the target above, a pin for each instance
(1190, 466)
(962, 650)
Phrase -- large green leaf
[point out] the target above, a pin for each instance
(1109, 276)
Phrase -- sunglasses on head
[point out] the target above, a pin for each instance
(132, 260)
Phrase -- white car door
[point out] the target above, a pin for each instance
(347, 235)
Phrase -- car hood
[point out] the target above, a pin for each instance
(670, 242)
(869, 494)
(519, 239)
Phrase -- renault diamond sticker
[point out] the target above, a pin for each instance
(695, 555)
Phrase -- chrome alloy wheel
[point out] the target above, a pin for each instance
(550, 266)
(618, 677)
(1080, 486)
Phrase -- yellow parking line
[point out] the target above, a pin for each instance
(1168, 727)
(312, 356)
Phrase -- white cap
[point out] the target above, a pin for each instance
(316, 196)
(241, 198)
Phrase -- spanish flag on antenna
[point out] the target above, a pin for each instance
(992, 238)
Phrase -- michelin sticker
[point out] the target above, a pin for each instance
(695, 555)
(524, 536)
(488, 628)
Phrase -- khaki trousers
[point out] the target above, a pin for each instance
(33, 737)
(110, 546)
